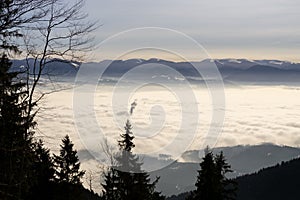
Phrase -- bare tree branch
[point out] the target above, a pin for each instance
(61, 33)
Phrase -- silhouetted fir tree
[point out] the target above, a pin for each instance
(110, 187)
(16, 136)
(227, 187)
(48, 188)
(43, 166)
(16, 146)
(43, 169)
(127, 161)
(127, 180)
(212, 183)
(67, 164)
(206, 184)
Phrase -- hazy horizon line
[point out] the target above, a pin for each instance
(179, 61)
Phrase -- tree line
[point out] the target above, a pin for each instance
(52, 30)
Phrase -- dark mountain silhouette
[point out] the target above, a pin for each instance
(264, 73)
(54, 68)
(263, 68)
(240, 70)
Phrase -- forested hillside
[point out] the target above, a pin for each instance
(279, 182)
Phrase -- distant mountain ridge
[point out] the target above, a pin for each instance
(239, 70)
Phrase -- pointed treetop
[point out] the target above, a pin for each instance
(67, 163)
(126, 143)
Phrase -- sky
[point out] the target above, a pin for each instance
(257, 29)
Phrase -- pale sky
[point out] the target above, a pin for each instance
(257, 29)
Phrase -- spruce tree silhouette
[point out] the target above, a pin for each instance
(16, 122)
(126, 180)
(67, 164)
(43, 168)
(212, 183)
(16, 151)
(227, 187)
(111, 186)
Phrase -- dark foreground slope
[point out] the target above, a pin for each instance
(62, 191)
(273, 183)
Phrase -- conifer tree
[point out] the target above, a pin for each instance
(110, 187)
(43, 169)
(16, 136)
(127, 161)
(127, 180)
(212, 183)
(206, 182)
(43, 166)
(16, 122)
(227, 187)
(67, 164)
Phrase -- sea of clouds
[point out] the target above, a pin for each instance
(253, 115)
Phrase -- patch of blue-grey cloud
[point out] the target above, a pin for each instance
(232, 28)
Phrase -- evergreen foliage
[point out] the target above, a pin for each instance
(67, 164)
(266, 183)
(26, 168)
(16, 123)
(127, 180)
(226, 187)
(277, 182)
(43, 166)
(212, 183)
(59, 180)
(43, 169)
(111, 190)
(16, 143)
